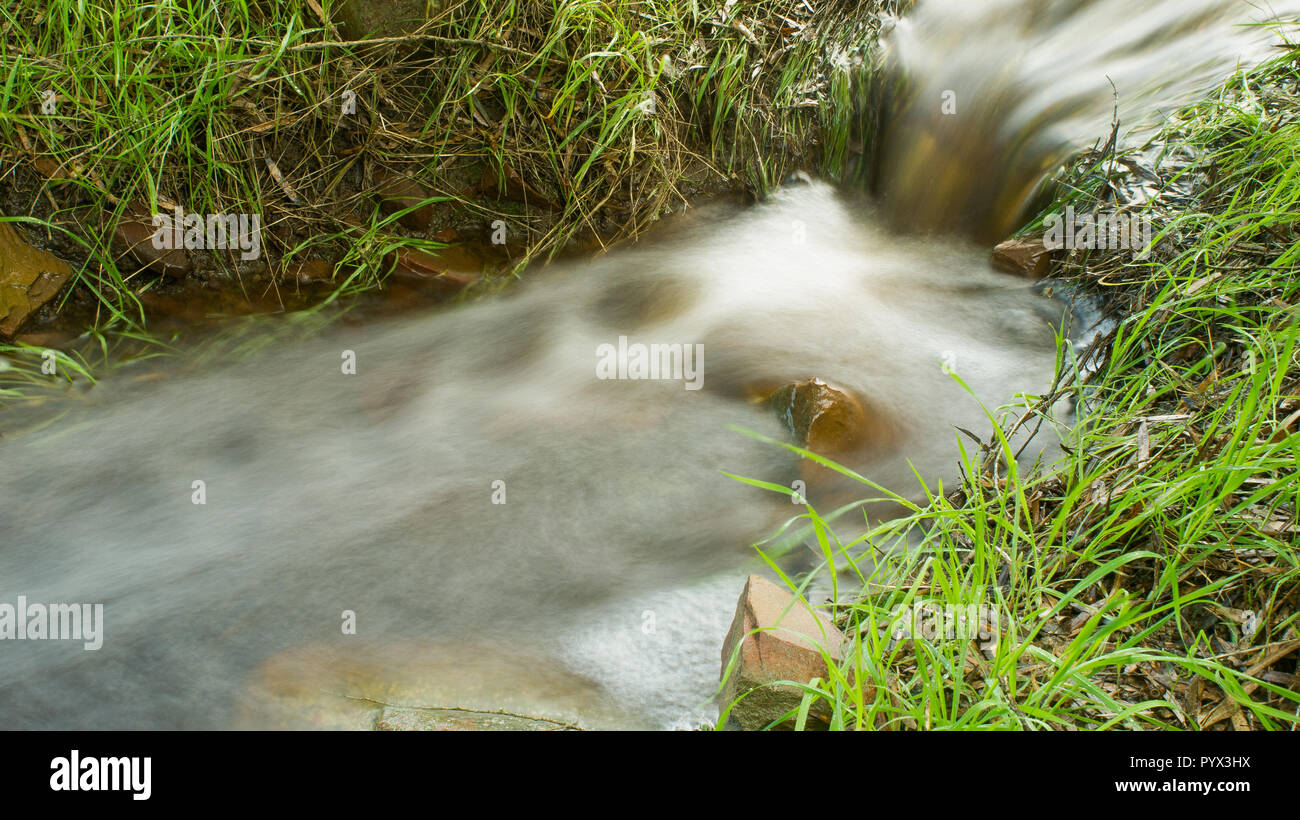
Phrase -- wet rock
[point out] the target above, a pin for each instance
(134, 237)
(29, 278)
(307, 272)
(51, 339)
(416, 685)
(416, 264)
(385, 18)
(462, 720)
(397, 193)
(837, 423)
(788, 647)
(430, 272)
(1029, 258)
(825, 418)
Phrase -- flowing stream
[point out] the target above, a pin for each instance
(506, 527)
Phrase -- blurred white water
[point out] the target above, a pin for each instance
(993, 94)
(374, 493)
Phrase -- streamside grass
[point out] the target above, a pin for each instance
(612, 113)
(1151, 580)
(638, 104)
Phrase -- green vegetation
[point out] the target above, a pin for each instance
(606, 114)
(1153, 580)
(591, 105)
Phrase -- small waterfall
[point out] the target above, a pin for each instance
(989, 96)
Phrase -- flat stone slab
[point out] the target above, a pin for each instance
(29, 278)
(405, 719)
(423, 686)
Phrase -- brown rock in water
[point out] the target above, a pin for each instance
(1024, 257)
(134, 236)
(307, 272)
(422, 686)
(29, 278)
(788, 647)
(462, 720)
(425, 269)
(57, 339)
(824, 418)
(833, 422)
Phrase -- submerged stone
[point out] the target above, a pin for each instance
(423, 686)
(429, 272)
(393, 719)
